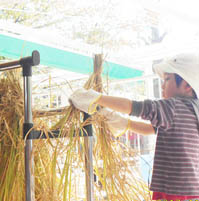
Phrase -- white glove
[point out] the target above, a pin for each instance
(84, 100)
(117, 123)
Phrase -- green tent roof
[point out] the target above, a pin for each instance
(14, 48)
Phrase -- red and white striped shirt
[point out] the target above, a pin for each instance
(176, 161)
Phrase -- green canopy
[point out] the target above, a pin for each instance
(14, 48)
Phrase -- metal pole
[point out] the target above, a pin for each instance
(27, 64)
(29, 159)
(89, 176)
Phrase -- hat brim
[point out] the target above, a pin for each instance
(162, 68)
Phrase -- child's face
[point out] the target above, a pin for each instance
(169, 87)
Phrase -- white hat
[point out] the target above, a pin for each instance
(185, 65)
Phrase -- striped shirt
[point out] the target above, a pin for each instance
(176, 161)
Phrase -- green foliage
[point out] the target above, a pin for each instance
(2, 58)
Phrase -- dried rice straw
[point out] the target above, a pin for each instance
(59, 163)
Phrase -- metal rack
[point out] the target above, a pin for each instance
(26, 64)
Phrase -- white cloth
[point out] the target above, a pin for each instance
(84, 100)
(117, 123)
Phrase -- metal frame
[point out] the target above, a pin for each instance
(26, 63)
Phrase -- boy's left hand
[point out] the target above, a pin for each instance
(117, 123)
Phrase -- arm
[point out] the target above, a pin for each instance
(82, 99)
(118, 104)
(141, 128)
(120, 123)
(125, 105)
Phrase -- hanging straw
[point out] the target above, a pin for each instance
(60, 162)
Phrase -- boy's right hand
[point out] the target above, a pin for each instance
(85, 100)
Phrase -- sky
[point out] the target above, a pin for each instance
(182, 17)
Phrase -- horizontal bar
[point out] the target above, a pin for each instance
(31, 61)
(10, 64)
(51, 112)
(36, 135)
(9, 68)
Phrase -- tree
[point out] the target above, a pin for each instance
(104, 24)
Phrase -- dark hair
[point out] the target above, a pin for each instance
(178, 79)
(178, 82)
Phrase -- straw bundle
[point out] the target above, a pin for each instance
(11, 142)
(59, 163)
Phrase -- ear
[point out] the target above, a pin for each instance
(187, 88)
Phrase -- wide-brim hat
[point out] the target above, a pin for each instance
(185, 65)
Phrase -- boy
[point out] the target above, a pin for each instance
(175, 119)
